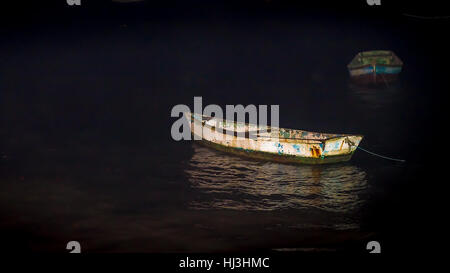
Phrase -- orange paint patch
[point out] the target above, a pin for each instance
(315, 152)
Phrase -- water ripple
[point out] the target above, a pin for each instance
(230, 182)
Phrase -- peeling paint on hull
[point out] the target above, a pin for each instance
(275, 144)
(277, 157)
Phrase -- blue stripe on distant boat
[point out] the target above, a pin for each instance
(380, 70)
(388, 69)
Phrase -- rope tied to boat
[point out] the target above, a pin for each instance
(372, 153)
(382, 156)
(384, 79)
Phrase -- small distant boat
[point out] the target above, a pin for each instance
(375, 67)
(271, 143)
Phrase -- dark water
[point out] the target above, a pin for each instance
(86, 152)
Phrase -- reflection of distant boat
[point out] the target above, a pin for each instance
(271, 143)
(367, 97)
(241, 184)
(375, 67)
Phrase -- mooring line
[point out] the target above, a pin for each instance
(385, 82)
(426, 17)
(382, 156)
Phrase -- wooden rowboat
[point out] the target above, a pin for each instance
(271, 143)
(375, 67)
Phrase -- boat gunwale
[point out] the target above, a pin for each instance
(397, 60)
(279, 137)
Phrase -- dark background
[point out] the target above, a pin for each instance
(86, 93)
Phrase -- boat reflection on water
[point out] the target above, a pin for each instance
(230, 182)
(376, 98)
